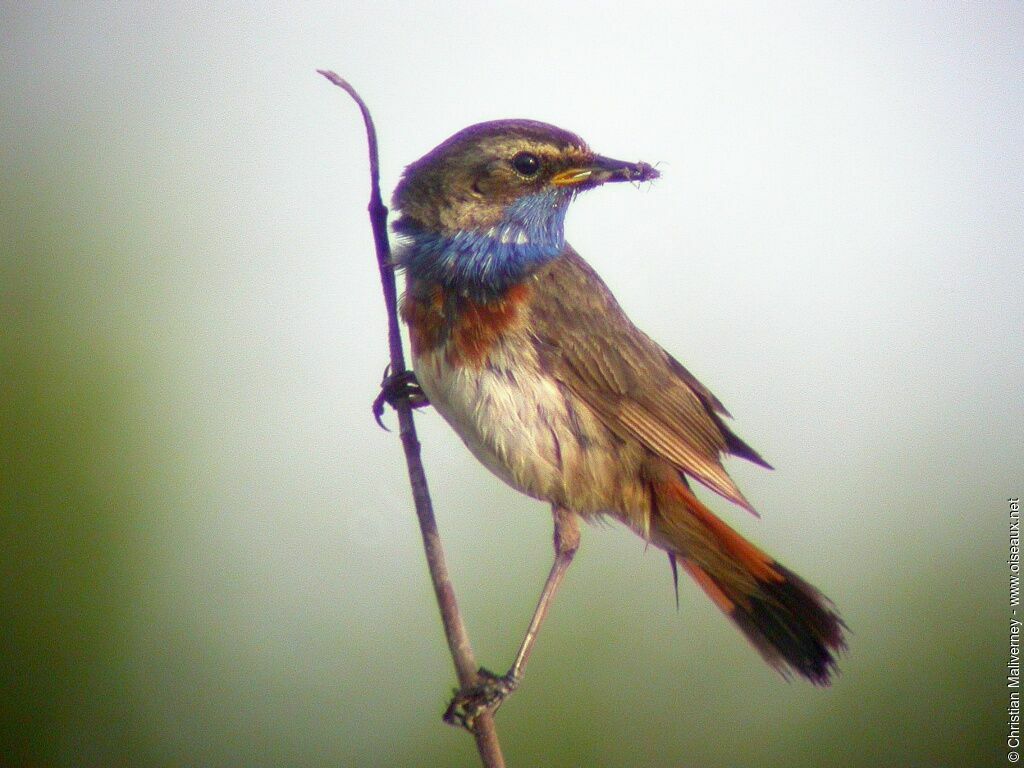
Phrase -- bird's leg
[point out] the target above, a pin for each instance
(567, 541)
(395, 387)
(491, 690)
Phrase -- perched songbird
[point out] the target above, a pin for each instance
(522, 348)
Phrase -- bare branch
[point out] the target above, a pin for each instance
(454, 628)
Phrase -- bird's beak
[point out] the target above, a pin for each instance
(599, 170)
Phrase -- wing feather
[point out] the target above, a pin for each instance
(638, 390)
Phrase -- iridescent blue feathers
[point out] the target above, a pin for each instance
(484, 263)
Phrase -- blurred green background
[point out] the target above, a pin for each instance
(209, 555)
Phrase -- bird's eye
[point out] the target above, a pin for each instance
(526, 164)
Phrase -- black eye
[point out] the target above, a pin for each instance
(526, 164)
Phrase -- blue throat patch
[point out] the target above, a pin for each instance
(484, 264)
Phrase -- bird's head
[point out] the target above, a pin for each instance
(487, 206)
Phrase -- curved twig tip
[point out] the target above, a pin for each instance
(334, 77)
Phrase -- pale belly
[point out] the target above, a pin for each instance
(530, 432)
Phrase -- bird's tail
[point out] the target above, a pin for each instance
(792, 625)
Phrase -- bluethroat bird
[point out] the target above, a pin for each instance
(522, 348)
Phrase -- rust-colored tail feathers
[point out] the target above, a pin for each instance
(792, 625)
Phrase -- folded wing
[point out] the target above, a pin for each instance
(638, 390)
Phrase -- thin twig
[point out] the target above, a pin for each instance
(454, 628)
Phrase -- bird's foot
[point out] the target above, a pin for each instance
(397, 387)
(486, 695)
